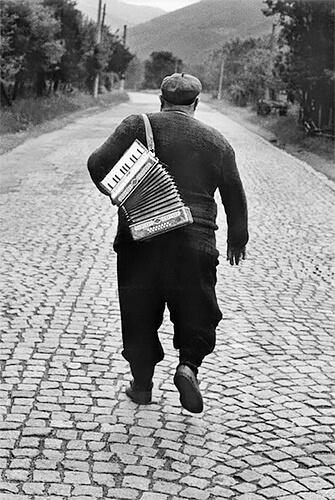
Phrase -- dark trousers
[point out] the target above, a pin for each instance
(164, 271)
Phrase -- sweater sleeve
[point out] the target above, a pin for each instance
(103, 159)
(234, 200)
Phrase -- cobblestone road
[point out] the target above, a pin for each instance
(67, 428)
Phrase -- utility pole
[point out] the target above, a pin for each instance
(223, 60)
(98, 40)
(267, 88)
(124, 40)
(124, 35)
(103, 16)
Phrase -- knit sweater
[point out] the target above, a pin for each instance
(201, 161)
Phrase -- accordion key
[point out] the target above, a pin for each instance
(147, 193)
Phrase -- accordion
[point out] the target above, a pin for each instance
(144, 189)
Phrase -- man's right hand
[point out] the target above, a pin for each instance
(234, 255)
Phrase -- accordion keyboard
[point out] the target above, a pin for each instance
(127, 170)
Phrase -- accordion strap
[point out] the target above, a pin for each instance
(149, 134)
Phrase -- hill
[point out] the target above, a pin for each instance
(193, 31)
(118, 13)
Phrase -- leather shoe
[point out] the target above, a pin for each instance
(138, 395)
(187, 384)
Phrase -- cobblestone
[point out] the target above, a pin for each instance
(67, 430)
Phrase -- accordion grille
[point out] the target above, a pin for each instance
(154, 196)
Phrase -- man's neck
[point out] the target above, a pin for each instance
(185, 110)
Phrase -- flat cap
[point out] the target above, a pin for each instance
(180, 88)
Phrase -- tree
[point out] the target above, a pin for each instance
(246, 73)
(159, 65)
(110, 59)
(83, 58)
(119, 56)
(306, 62)
(33, 45)
(72, 24)
(47, 42)
(134, 74)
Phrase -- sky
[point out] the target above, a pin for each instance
(167, 5)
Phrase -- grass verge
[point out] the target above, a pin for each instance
(284, 132)
(30, 117)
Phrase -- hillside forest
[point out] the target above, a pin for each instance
(48, 46)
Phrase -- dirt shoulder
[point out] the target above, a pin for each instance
(263, 127)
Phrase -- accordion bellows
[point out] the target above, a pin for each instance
(147, 193)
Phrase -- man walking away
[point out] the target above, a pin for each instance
(176, 269)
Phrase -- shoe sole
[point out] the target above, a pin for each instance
(190, 396)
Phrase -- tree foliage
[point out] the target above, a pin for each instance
(135, 74)
(158, 66)
(297, 58)
(33, 44)
(51, 42)
(306, 60)
(246, 69)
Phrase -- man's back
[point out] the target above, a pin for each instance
(199, 158)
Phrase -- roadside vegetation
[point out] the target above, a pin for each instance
(30, 117)
(52, 65)
(48, 47)
(27, 113)
(293, 67)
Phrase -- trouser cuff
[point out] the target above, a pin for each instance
(142, 375)
(191, 358)
(193, 367)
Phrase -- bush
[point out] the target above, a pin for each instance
(26, 113)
